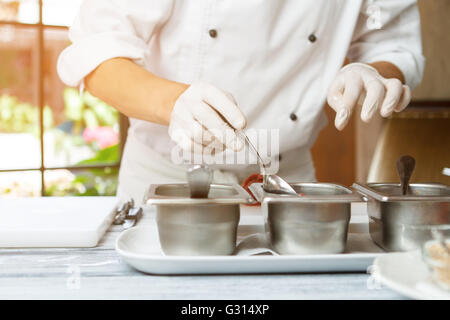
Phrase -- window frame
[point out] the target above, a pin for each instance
(40, 27)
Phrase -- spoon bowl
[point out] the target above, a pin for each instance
(274, 184)
(199, 178)
(271, 182)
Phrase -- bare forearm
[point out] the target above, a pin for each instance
(134, 91)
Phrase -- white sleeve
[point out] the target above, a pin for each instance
(106, 29)
(389, 30)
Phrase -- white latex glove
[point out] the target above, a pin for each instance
(358, 81)
(204, 118)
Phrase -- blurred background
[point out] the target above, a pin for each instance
(367, 152)
(55, 141)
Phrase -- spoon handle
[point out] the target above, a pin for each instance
(244, 137)
(405, 168)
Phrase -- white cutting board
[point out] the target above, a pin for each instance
(54, 221)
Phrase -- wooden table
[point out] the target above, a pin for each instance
(98, 273)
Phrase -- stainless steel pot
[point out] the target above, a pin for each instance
(314, 223)
(401, 223)
(197, 226)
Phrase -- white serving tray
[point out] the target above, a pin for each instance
(139, 247)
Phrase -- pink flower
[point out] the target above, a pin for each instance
(104, 136)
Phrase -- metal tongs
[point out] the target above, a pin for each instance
(127, 214)
(271, 182)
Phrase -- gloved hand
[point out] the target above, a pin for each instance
(204, 118)
(357, 81)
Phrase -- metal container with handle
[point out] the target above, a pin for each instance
(400, 222)
(197, 226)
(316, 222)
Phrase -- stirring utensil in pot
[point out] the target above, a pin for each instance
(271, 182)
(405, 168)
(199, 178)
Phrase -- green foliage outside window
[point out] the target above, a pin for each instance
(89, 122)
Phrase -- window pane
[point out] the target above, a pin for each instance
(25, 11)
(19, 114)
(20, 184)
(80, 129)
(59, 12)
(92, 182)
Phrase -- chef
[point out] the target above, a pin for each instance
(188, 73)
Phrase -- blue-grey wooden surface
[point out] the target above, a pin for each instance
(98, 273)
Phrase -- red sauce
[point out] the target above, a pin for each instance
(253, 178)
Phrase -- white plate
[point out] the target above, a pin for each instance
(407, 274)
(139, 247)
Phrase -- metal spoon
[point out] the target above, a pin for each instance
(271, 182)
(274, 184)
(199, 178)
(405, 168)
(262, 165)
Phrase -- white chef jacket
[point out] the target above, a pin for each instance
(277, 58)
